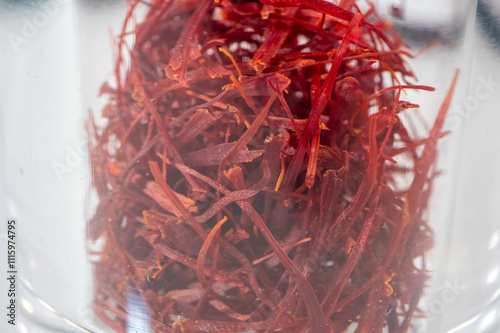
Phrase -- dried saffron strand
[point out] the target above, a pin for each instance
(268, 202)
(204, 250)
(246, 137)
(258, 261)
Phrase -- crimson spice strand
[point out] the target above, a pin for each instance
(247, 175)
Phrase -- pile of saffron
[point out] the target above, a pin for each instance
(248, 174)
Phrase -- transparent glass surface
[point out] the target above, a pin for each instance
(54, 57)
(42, 132)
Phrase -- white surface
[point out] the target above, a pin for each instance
(42, 112)
(41, 118)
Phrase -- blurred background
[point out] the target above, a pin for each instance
(55, 54)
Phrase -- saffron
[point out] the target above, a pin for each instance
(247, 175)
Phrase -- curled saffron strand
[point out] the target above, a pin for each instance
(204, 250)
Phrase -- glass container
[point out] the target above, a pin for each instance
(84, 265)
